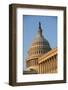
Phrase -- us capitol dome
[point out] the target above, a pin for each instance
(39, 47)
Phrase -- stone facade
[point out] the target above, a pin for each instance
(47, 63)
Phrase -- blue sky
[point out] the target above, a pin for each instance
(49, 26)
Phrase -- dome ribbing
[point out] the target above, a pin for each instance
(39, 45)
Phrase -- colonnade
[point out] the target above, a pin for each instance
(49, 65)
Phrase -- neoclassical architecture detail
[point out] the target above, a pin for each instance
(41, 57)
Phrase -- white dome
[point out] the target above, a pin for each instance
(39, 45)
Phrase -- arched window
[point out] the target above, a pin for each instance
(39, 51)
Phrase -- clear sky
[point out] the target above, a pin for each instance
(31, 23)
